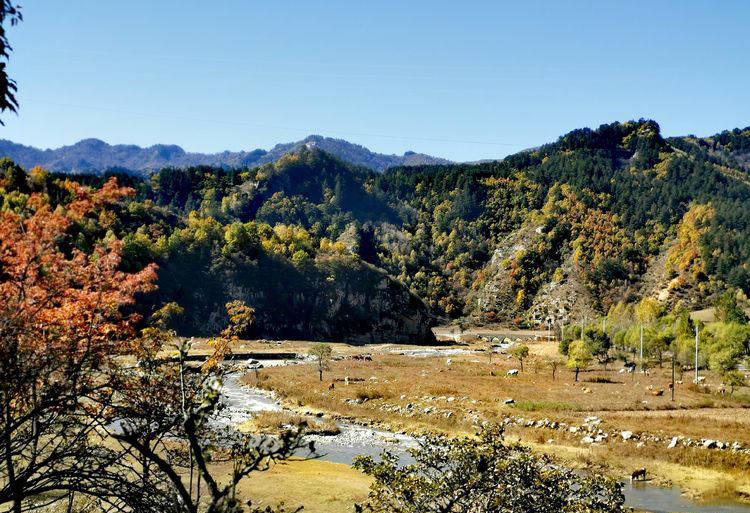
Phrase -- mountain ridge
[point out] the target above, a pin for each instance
(93, 155)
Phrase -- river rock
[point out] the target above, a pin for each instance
(673, 443)
(512, 372)
(626, 435)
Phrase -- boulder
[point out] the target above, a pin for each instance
(626, 435)
(673, 443)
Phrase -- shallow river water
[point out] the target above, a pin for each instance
(242, 402)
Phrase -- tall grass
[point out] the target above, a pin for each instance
(545, 406)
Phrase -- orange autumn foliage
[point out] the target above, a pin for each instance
(64, 303)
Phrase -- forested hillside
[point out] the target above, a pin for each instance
(325, 249)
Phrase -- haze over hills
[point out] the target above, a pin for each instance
(93, 155)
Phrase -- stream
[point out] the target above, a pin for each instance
(354, 440)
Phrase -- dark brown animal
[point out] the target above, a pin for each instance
(332, 386)
(638, 474)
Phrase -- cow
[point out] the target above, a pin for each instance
(637, 475)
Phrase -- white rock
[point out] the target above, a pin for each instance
(513, 372)
(673, 443)
(626, 435)
(587, 440)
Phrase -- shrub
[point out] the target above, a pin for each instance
(482, 473)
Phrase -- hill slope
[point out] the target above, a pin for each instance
(93, 155)
(327, 249)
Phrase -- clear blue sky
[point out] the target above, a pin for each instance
(463, 80)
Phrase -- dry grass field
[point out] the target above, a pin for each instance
(320, 486)
(418, 394)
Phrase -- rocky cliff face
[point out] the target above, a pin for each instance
(561, 298)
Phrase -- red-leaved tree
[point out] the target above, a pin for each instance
(63, 328)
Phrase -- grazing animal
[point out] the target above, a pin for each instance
(332, 386)
(638, 474)
(657, 393)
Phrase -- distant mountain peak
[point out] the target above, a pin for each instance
(94, 155)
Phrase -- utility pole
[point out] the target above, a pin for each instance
(696, 353)
(641, 347)
(672, 375)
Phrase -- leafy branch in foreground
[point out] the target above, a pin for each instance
(483, 475)
(11, 12)
(169, 411)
